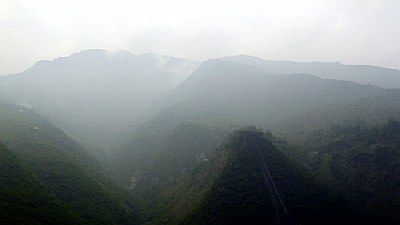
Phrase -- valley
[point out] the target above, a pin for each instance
(109, 137)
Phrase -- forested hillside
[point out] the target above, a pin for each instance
(63, 168)
(24, 199)
(362, 164)
(233, 187)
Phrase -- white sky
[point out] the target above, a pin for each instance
(349, 31)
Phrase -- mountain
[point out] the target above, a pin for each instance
(94, 94)
(363, 74)
(157, 163)
(24, 199)
(232, 186)
(226, 93)
(334, 160)
(259, 185)
(64, 168)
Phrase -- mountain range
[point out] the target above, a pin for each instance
(93, 93)
(108, 137)
(363, 74)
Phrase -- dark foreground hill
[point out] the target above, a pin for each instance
(63, 169)
(233, 186)
(259, 185)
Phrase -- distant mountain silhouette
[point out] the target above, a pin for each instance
(363, 74)
(225, 91)
(94, 93)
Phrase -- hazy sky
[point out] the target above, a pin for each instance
(349, 31)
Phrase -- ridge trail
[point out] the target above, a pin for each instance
(284, 219)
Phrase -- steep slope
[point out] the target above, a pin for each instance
(25, 200)
(63, 167)
(363, 74)
(248, 181)
(95, 93)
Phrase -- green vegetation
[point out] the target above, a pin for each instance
(222, 96)
(333, 158)
(240, 194)
(229, 187)
(24, 199)
(63, 167)
(362, 164)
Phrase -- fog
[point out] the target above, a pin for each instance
(352, 32)
(200, 112)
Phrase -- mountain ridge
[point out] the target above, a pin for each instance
(94, 92)
(364, 74)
